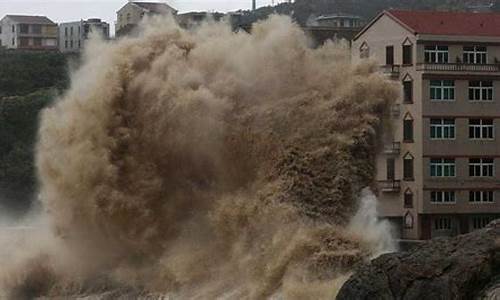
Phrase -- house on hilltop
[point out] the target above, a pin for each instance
(28, 33)
(73, 35)
(439, 170)
(129, 16)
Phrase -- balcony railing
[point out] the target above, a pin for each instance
(459, 67)
(394, 148)
(391, 70)
(390, 186)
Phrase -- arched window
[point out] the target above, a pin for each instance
(408, 198)
(407, 89)
(408, 128)
(364, 51)
(408, 167)
(408, 220)
(407, 52)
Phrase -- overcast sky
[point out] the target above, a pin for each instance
(74, 10)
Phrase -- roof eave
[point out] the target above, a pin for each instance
(380, 15)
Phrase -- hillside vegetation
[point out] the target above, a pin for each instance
(28, 83)
(301, 10)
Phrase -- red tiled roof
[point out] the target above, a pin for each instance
(449, 23)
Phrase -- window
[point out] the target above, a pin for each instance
(13, 41)
(71, 44)
(408, 91)
(79, 29)
(442, 167)
(408, 167)
(442, 90)
(37, 41)
(408, 199)
(481, 129)
(481, 196)
(37, 29)
(24, 28)
(481, 222)
(389, 55)
(442, 129)
(481, 90)
(436, 54)
(408, 220)
(443, 223)
(364, 51)
(481, 167)
(407, 54)
(475, 55)
(66, 31)
(443, 197)
(408, 131)
(79, 44)
(391, 169)
(13, 28)
(24, 42)
(408, 128)
(0, 28)
(66, 44)
(71, 30)
(128, 18)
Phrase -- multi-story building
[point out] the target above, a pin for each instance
(28, 33)
(439, 170)
(129, 16)
(72, 35)
(333, 27)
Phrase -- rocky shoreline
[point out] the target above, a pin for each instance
(463, 267)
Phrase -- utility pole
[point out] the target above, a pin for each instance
(254, 5)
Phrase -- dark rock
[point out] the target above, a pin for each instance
(464, 267)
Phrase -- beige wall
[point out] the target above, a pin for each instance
(386, 32)
(135, 13)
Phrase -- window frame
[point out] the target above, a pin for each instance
(478, 196)
(407, 55)
(442, 128)
(440, 164)
(479, 164)
(442, 87)
(433, 53)
(478, 56)
(439, 197)
(408, 167)
(481, 91)
(408, 91)
(482, 221)
(408, 199)
(445, 224)
(481, 128)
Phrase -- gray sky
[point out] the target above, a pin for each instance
(74, 10)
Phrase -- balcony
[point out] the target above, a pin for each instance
(458, 67)
(393, 149)
(391, 70)
(390, 186)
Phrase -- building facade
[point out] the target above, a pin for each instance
(333, 27)
(439, 168)
(28, 33)
(73, 35)
(131, 14)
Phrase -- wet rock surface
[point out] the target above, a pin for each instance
(464, 267)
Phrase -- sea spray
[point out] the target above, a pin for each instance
(205, 164)
(378, 233)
